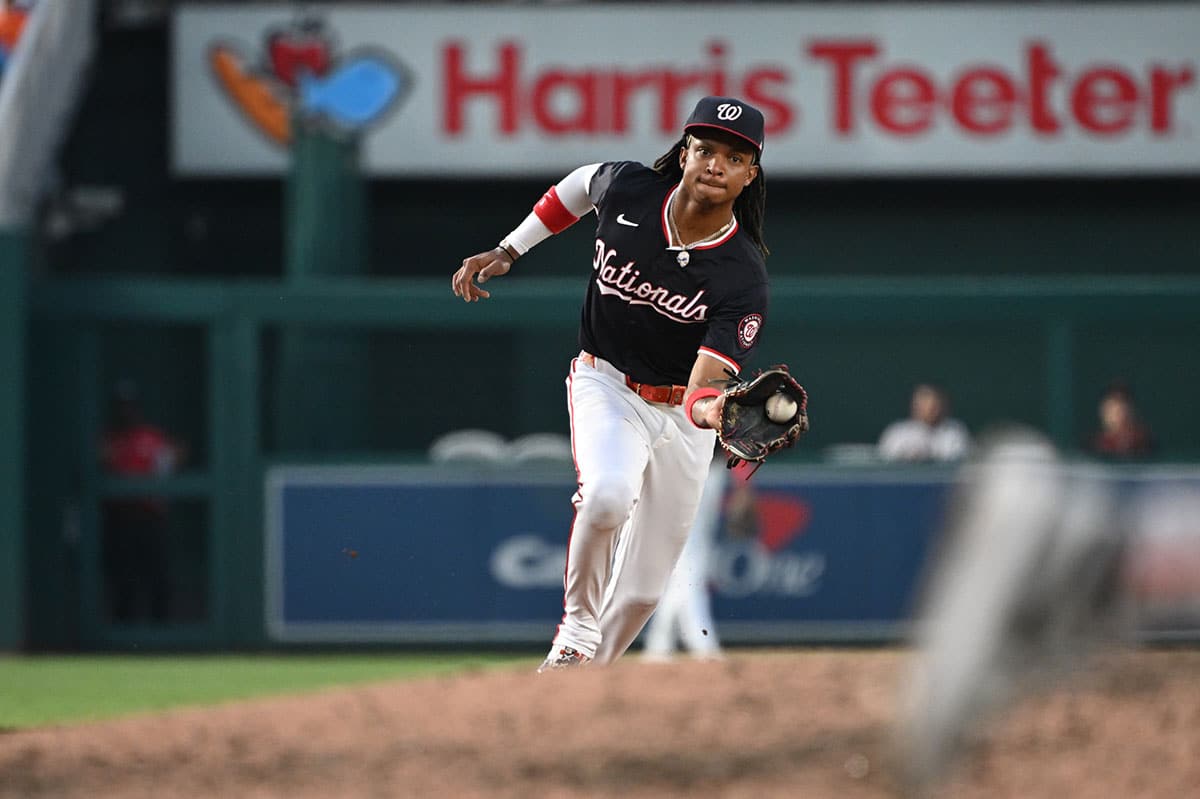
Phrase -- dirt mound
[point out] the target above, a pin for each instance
(798, 724)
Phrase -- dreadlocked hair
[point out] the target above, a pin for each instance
(749, 207)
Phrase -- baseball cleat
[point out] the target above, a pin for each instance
(563, 658)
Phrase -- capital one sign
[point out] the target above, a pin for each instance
(854, 90)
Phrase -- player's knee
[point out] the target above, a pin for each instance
(607, 503)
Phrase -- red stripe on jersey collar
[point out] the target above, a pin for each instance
(665, 224)
(666, 227)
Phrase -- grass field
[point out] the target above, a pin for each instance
(41, 690)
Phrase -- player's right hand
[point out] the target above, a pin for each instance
(493, 263)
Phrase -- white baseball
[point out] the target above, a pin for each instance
(781, 408)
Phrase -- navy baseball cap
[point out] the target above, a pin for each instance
(730, 115)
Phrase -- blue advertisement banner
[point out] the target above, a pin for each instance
(423, 554)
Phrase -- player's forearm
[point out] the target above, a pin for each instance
(560, 207)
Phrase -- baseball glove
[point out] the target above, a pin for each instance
(747, 431)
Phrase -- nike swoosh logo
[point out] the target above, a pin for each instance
(621, 220)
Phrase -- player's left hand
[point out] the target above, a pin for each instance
(493, 263)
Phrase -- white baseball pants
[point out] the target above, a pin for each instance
(641, 470)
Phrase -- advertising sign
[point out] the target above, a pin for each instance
(849, 89)
(420, 555)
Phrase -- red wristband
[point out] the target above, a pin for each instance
(698, 394)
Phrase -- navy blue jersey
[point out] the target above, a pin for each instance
(649, 310)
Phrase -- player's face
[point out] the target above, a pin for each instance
(717, 168)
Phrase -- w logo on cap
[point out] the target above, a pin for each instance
(730, 116)
(728, 111)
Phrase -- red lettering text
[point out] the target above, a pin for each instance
(777, 114)
(1041, 95)
(902, 102)
(986, 100)
(590, 101)
(1163, 83)
(983, 100)
(580, 90)
(1042, 72)
(459, 88)
(1104, 100)
(842, 56)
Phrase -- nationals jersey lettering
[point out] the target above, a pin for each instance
(624, 283)
(644, 312)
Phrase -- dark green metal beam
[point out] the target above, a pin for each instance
(13, 316)
(529, 303)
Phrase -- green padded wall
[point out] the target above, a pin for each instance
(13, 315)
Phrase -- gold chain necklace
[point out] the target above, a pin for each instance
(684, 257)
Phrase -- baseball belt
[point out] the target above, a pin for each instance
(667, 395)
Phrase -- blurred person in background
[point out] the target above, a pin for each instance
(684, 614)
(676, 304)
(135, 550)
(1121, 434)
(929, 433)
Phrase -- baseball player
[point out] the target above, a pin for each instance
(677, 300)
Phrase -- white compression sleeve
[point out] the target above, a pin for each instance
(572, 192)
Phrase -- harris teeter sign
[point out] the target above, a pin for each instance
(479, 90)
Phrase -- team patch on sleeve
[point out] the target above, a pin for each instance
(747, 330)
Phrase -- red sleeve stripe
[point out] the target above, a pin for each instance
(553, 213)
(725, 359)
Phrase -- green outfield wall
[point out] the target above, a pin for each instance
(13, 309)
(1037, 351)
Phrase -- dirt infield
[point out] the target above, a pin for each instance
(801, 724)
